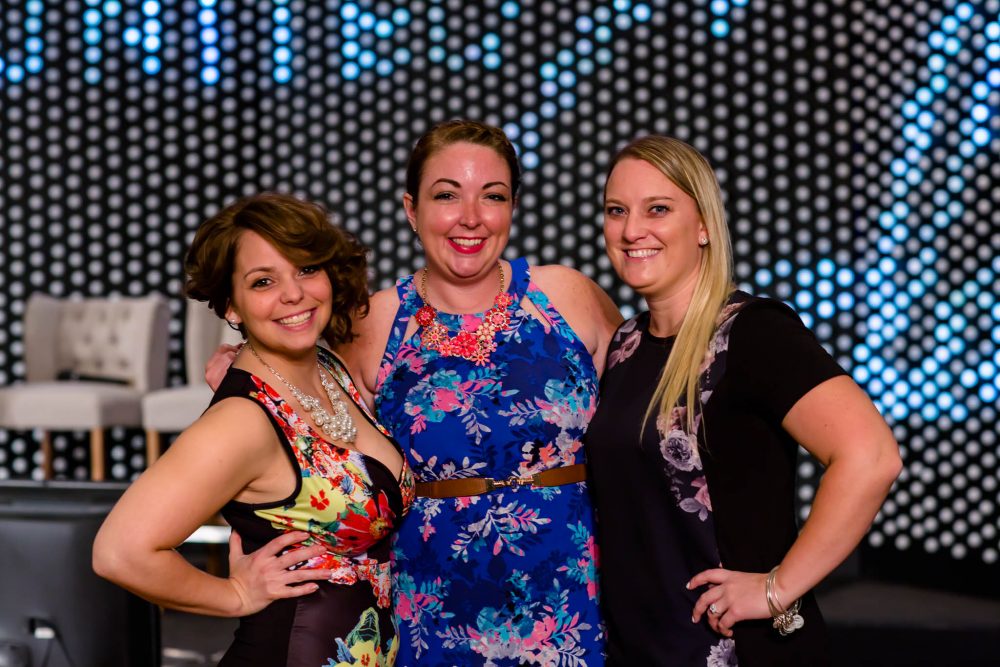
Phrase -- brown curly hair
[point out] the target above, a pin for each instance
(302, 231)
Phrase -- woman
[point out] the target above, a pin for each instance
(309, 480)
(486, 371)
(692, 449)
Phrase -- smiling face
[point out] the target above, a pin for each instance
(652, 230)
(284, 308)
(463, 211)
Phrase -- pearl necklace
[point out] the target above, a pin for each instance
(339, 425)
(476, 346)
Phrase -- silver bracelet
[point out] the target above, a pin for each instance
(786, 621)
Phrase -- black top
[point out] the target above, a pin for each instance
(659, 524)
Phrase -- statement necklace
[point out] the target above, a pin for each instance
(476, 346)
(339, 425)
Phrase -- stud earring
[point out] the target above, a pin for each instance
(703, 241)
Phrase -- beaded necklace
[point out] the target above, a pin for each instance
(476, 346)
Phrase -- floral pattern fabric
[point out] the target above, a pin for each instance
(509, 577)
(348, 502)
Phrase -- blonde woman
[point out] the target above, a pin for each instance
(692, 451)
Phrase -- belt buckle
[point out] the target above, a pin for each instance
(512, 482)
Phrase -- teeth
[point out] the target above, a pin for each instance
(296, 319)
(467, 243)
(640, 254)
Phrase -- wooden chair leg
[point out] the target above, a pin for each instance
(153, 446)
(97, 454)
(46, 450)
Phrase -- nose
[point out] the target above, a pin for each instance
(291, 292)
(634, 228)
(471, 212)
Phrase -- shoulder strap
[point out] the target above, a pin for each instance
(339, 372)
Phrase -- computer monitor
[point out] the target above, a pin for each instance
(53, 608)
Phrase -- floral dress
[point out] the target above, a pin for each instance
(348, 501)
(508, 577)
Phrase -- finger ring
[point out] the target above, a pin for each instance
(712, 609)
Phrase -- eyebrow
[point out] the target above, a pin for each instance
(456, 184)
(647, 200)
(259, 269)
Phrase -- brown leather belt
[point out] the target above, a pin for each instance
(475, 486)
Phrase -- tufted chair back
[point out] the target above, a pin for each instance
(204, 331)
(121, 339)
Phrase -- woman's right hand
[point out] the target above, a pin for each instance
(219, 363)
(263, 576)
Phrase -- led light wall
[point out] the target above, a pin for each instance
(856, 142)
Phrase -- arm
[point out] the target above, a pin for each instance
(839, 425)
(586, 308)
(363, 355)
(222, 455)
(218, 364)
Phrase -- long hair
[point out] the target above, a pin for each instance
(691, 172)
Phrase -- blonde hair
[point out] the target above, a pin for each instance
(690, 171)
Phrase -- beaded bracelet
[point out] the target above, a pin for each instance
(786, 621)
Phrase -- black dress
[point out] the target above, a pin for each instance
(665, 513)
(349, 502)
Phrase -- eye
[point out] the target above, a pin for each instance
(614, 210)
(496, 196)
(444, 196)
(659, 209)
(309, 270)
(260, 283)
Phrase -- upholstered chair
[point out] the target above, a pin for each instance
(173, 409)
(88, 363)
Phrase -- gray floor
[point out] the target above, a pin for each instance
(871, 623)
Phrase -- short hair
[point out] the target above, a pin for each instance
(451, 132)
(302, 231)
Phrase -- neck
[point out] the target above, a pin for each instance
(298, 369)
(469, 296)
(666, 313)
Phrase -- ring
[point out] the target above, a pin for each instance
(712, 609)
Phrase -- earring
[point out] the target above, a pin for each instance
(703, 241)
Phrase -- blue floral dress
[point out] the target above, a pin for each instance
(508, 577)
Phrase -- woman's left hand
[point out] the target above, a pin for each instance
(731, 597)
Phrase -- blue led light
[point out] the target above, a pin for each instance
(366, 21)
(350, 50)
(641, 12)
(209, 35)
(584, 24)
(350, 71)
(804, 299)
(33, 64)
(861, 374)
(384, 29)
(401, 56)
(455, 63)
(282, 55)
(981, 136)
(367, 59)
(602, 14)
(510, 10)
(92, 17)
(384, 67)
(401, 16)
(548, 71)
(993, 52)
(350, 30)
(567, 79)
(282, 74)
(472, 52)
(151, 65)
(783, 268)
(282, 35)
(436, 54)
(491, 41)
(719, 7)
(151, 8)
(92, 55)
(567, 100)
(548, 89)
(603, 56)
(210, 75)
(349, 11)
(622, 5)
(968, 378)
(804, 277)
(437, 33)
(762, 277)
(720, 28)
(151, 43)
(825, 309)
(491, 61)
(281, 15)
(132, 36)
(623, 21)
(207, 17)
(845, 301)
(603, 34)
(988, 393)
(92, 75)
(529, 160)
(92, 36)
(584, 47)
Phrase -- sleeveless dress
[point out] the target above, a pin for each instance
(508, 577)
(350, 502)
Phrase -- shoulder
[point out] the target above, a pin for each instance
(362, 356)
(558, 276)
(770, 319)
(235, 428)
